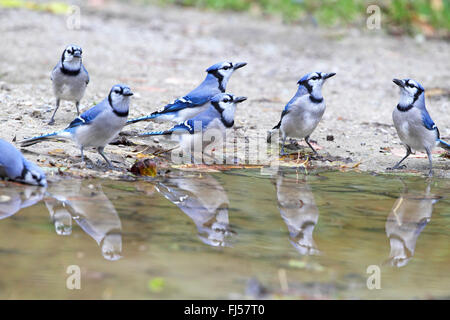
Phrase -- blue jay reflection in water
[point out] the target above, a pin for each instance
(299, 211)
(14, 198)
(203, 199)
(410, 214)
(91, 209)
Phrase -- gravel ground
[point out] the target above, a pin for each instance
(161, 53)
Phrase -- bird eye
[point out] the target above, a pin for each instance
(117, 91)
(226, 100)
(226, 67)
(315, 78)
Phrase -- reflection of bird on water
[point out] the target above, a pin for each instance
(14, 197)
(205, 201)
(91, 209)
(408, 217)
(299, 211)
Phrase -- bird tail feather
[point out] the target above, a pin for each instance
(444, 145)
(270, 134)
(144, 118)
(49, 136)
(156, 133)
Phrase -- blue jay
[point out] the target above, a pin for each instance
(413, 123)
(218, 116)
(97, 126)
(197, 100)
(69, 78)
(15, 167)
(303, 112)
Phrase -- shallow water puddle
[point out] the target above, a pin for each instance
(226, 235)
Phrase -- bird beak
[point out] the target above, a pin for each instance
(239, 65)
(77, 54)
(329, 75)
(127, 92)
(239, 99)
(399, 82)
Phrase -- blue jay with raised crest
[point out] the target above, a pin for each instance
(218, 116)
(15, 167)
(97, 126)
(69, 78)
(197, 100)
(304, 111)
(413, 122)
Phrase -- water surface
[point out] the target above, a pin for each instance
(237, 234)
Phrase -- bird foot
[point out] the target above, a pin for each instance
(51, 122)
(81, 165)
(403, 166)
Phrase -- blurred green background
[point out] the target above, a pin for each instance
(428, 17)
(399, 16)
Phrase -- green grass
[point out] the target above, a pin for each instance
(411, 16)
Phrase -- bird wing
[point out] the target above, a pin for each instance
(188, 126)
(285, 112)
(87, 74)
(428, 122)
(183, 103)
(88, 116)
(53, 71)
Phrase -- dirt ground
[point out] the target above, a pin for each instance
(162, 53)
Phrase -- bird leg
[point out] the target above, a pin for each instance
(82, 154)
(430, 173)
(397, 166)
(309, 144)
(77, 104)
(283, 153)
(52, 119)
(100, 151)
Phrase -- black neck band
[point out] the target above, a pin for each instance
(406, 108)
(314, 99)
(306, 85)
(217, 107)
(120, 114)
(220, 110)
(219, 77)
(117, 113)
(68, 72)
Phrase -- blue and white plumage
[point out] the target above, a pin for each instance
(15, 167)
(97, 126)
(69, 78)
(204, 200)
(304, 111)
(219, 116)
(15, 198)
(413, 123)
(86, 204)
(197, 100)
